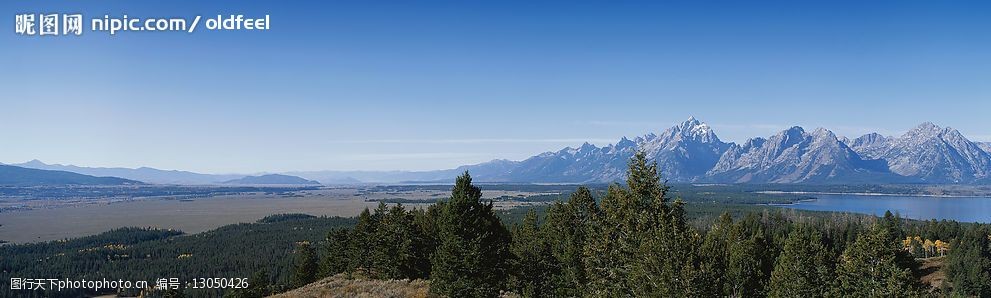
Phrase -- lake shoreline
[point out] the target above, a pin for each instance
(917, 207)
(776, 192)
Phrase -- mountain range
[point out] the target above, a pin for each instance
(930, 154)
(20, 176)
(795, 155)
(691, 152)
(145, 174)
(688, 152)
(272, 179)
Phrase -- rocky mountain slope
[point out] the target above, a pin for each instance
(986, 146)
(794, 156)
(691, 152)
(930, 154)
(685, 151)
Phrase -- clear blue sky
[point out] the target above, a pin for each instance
(419, 85)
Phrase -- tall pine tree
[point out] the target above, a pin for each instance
(394, 251)
(425, 238)
(968, 265)
(641, 245)
(362, 237)
(804, 268)
(871, 267)
(471, 258)
(306, 266)
(335, 259)
(566, 229)
(259, 285)
(533, 264)
(607, 253)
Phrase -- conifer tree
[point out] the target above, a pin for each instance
(704, 273)
(746, 272)
(665, 257)
(335, 258)
(968, 265)
(533, 264)
(676, 217)
(893, 223)
(306, 266)
(379, 246)
(425, 238)
(607, 253)
(259, 285)
(362, 237)
(471, 257)
(393, 251)
(736, 254)
(870, 267)
(639, 247)
(804, 268)
(566, 229)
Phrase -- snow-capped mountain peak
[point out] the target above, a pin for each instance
(931, 154)
(822, 132)
(870, 146)
(923, 131)
(791, 156)
(691, 152)
(693, 129)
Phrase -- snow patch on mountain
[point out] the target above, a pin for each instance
(986, 146)
(794, 156)
(933, 154)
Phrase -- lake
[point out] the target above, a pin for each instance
(963, 209)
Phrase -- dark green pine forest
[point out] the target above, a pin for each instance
(262, 252)
(631, 240)
(635, 241)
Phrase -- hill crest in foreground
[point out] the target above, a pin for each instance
(342, 286)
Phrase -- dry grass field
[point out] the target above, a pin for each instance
(341, 286)
(934, 270)
(82, 218)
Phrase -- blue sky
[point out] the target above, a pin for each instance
(417, 85)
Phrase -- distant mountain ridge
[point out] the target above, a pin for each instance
(491, 168)
(793, 156)
(144, 174)
(931, 154)
(20, 176)
(272, 179)
(688, 152)
(691, 152)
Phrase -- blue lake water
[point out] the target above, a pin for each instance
(964, 209)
